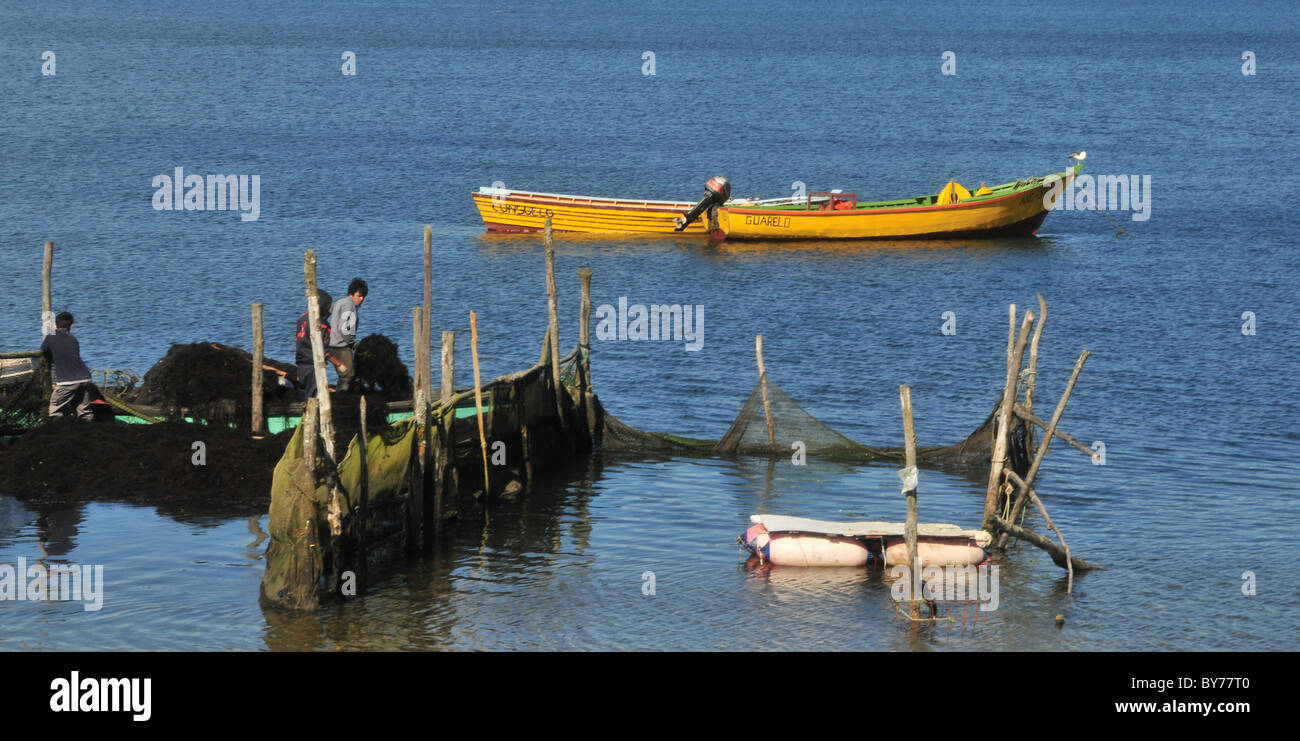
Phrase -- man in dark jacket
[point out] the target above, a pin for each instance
(302, 354)
(71, 376)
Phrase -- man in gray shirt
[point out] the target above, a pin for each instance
(343, 331)
(72, 385)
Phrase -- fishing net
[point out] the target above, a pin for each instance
(305, 561)
(792, 428)
(795, 429)
(23, 396)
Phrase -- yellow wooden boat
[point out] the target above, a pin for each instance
(1011, 209)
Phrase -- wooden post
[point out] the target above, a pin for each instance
(421, 413)
(909, 527)
(428, 308)
(420, 405)
(478, 404)
(584, 327)
(363, 516)
(310, 414)
(1015, 353)
(258, 348)
(762, 382)
(553, 311)
(47, 310)
(448, 365)
(318, 354)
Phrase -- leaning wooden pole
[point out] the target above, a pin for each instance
(762, 382)
(553, 334)
(1047, 519)
(478, 406)
(1043, 446)
(314, 310)
(258, 348)
(47, 305)
(1015, 353)
(909, 476)
(1032, 374)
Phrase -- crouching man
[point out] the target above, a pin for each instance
(72, 387)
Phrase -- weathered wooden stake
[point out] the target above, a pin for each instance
(448, 365)
(762, 382)
(478, 405)
(909, 527)
(553, 311)
(1015, 353)
(47, 310)
(310, 414)
(258, 348)
(318, 354)
(428, 284)
(584, 327)
(421, 413)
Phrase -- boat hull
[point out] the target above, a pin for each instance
(1010, 210)
(525, 211)
(1018, 214)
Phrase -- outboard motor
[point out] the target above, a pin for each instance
(717, 192)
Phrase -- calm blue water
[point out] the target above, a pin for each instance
(1198, 419)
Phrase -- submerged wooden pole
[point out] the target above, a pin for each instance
(909, 527)
(478, 406)
(762, 382)
(1015, 353)
(1057, 553)
(258, 349)
(47, 275)
(318, 353)
(553, 336)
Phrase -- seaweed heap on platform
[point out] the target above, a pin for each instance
(380, 370)
(65, 461)
(211, 382)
